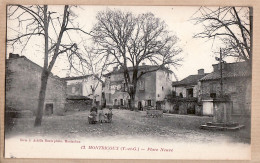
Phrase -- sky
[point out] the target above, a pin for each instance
(196, 53)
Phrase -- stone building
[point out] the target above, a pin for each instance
(81, 86)
(237, 84)
(151, 89)
(188, 87)
(23, 80)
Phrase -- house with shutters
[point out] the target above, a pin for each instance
(237, 84)
(152, 87)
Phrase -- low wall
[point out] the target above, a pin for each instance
(182, 106)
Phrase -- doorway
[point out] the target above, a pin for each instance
(49, 108)
(140, 107)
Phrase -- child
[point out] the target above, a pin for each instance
(101, 115)
(109, 115)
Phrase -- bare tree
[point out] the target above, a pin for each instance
(42, 21)
(92, 62)
(231, 25)
(131, 40)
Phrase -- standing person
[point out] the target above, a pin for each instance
(101, 115)
(93, 115)
(109, 115)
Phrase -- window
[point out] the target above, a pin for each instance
(121, 102)
(213, 95)
(149, 102)
(109, 97)
(190, 92)
(162, 88)
(141, 85)
(49, 108)
(73, 89)
(115, 101)
(124, 87)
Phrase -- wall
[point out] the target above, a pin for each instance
(82, 87)
(74, 87)
(183, 90)
(114, 89)
(23, 86)
(182, 106)
(180, 89)
(163, 84)
(239, 90)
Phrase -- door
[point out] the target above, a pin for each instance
(49, 109)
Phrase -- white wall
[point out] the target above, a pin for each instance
(86, 86)
(163, 79)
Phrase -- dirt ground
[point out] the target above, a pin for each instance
(130, 124)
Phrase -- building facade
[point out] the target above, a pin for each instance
(237, 84)
(82, 86)
(151, 88)
(23, 81)
(188, 87)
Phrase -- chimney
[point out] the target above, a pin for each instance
(201, 71)
(11, 55)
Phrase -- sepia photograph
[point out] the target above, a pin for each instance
(128, 82)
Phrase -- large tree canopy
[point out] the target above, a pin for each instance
(131, 40)
(230, 25)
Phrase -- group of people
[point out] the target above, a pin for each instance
(102, 116)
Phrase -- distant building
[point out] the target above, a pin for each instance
(81, 87)
(151, 87)
(23, 81)
(188, 87)
(237, 83)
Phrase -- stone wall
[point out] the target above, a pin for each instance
(182, 106)
(238, 89)
(23, 86)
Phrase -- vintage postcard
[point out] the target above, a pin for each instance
(128, 82)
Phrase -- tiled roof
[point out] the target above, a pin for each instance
(141, 68)
(77, 97)
(76, 77)
(232, 70)
(190, 80)
(35, 64)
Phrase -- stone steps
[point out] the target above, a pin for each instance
(223, 127)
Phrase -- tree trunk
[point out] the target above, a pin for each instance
(132, 102)
(39, 113)
(45, 73)
(103, 100)
(94, 99)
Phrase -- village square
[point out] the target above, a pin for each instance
(121, 77)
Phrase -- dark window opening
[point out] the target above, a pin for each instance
(121, 102)
(49, 109)
(190, 92)
(149, 102)
(140, 107)
(162, 88)
(213, 95)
